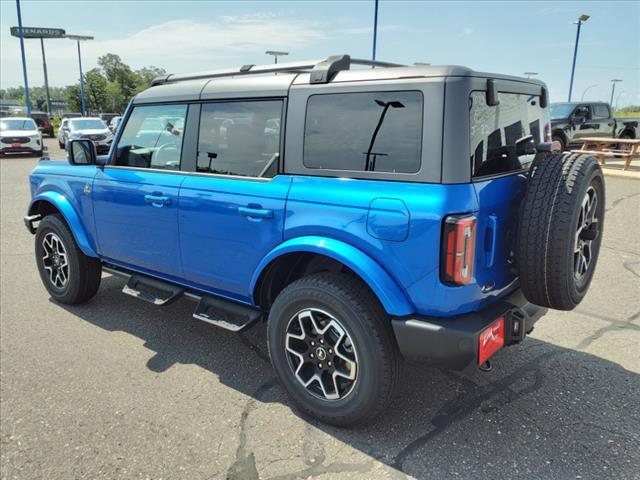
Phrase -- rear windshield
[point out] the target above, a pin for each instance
(376, 131)
(502, 136)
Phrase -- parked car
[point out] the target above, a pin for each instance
(106, 117)
(43, 122)
(114, 123)
(572, 121)
(72, 115)
(88, 128)
(416, 212)
(19, 135)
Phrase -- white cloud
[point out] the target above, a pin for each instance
(467, 31)
(177, 46)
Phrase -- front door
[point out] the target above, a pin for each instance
(232, 210)
(135, 198)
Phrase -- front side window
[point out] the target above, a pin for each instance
(374, 132)
(152, 137)
(503, 137)
(240, 138)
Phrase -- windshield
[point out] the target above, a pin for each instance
(17, 124)
(561, 110)
(87, 124)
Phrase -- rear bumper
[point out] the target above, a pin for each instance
(452, 342)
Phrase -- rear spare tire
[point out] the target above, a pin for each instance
(560, 230)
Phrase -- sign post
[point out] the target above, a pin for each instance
(41, 33)
(24, 61)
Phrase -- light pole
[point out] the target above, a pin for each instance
(78, 38)
(375, 31)
(530, 74)
(582, 18)
(586, 90)
(613, 88)
(276, 54)
(24, 61)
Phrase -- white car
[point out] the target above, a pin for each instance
(19, 135)
(90, 128)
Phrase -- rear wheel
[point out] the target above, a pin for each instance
(67, 273)
(560, 231)
(333, 349)
(560, 140)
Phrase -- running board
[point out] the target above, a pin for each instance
(226, 314)
(151, 290)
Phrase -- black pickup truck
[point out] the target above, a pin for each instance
(575, 120)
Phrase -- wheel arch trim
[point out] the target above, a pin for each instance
(63, 205)
(393, 300)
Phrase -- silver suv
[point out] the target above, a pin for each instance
(85, 128)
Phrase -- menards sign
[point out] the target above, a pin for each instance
(38, 32)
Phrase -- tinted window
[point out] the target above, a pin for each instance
(379, 131)
(501, 135)
(600, 111)
(240, 138)
(152, 137)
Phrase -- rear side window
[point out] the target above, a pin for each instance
(152, 137)
(600, 111)
(240, 138)
(377, 131)
(502, 136)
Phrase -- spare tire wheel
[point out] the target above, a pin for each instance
(560, 229)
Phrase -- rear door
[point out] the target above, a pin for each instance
(136, 197)
(232, 207)
(602, 116)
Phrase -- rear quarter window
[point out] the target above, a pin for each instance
(499, 134)
(372, 131)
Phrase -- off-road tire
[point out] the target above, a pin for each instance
(560, 140)
(378, 360)
(547, 232)
(84, 272)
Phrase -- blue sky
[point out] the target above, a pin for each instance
(180, 36)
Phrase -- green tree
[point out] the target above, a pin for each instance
(95, 87)
(72, 98)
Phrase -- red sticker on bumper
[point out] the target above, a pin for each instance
(491, 340)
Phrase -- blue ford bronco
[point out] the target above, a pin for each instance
(367, 211)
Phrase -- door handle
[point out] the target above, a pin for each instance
(157, 200)
(255, 212)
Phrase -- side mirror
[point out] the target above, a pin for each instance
(526, 146)
(82, 152)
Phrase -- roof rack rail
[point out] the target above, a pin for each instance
(322, 71)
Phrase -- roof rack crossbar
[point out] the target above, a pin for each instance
(323, 70)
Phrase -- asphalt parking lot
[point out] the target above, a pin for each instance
(118, 388)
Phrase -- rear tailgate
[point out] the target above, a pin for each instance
(497, 225)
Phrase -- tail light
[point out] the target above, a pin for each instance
(459, 241)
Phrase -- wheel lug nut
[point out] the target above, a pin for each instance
(331, 350)
(321, 340)
(313, 343)
(311, 355)
(319, 365)
(329, 364)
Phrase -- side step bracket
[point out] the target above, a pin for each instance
(226, 314)
(151, 290)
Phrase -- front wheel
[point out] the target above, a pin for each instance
(67, 273)
(333, 349)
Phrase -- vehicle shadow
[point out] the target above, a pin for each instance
(543, 412)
